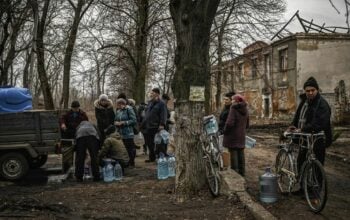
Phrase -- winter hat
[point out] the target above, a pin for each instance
(109, 130)
(103, 97)
(132, 102)
(311, 82)
(75, 104)
(121, 101)
(238, 98)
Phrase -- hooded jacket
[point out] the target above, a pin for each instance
(114, 148)
(235, 126)
(104, 115)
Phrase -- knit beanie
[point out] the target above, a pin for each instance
(311, 82)
(103, 97)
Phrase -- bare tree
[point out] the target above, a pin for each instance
(40, 50)
(347, 11)
(241, 19)
(79, 12)
(136, 20)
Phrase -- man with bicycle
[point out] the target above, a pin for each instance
(312, 116)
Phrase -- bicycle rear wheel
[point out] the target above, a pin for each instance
(212, 173)
(285, 171)
(315, 186)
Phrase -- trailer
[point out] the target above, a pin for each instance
(26, 140)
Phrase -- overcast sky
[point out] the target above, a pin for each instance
(321, 11)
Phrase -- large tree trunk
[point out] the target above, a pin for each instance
(141, 51)
(44, 81)
(192, 21)
(69, 51)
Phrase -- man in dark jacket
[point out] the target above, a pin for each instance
(155, 120)
(313, 115)
(225, 111)
(104, 114)
(70, 121)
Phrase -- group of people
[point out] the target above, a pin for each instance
(313, 115)
(113, 137)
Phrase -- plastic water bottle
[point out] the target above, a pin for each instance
(171, 165)
(108, 172)
(87, 172)
(268, 186)
(162, 167)
(118, 172)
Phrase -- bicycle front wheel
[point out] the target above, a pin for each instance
(212, 173)
(315, 186)
(285, 171)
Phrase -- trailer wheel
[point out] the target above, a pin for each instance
(39, 162)
(13, 166)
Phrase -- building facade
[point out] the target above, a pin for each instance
(271, 76)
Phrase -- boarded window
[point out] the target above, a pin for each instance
(283, 59)
(254, 68)
(267, 66)
(240, 70)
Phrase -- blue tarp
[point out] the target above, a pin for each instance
(14, 99)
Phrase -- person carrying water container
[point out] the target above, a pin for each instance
(113, 148)
(235, 132)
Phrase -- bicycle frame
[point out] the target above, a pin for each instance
(309, 139)
(212, 154)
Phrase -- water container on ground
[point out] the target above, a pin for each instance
(268, 187)
(118, 172)
(171, 165)
(87, 172)
(162, 167)
(108, 171)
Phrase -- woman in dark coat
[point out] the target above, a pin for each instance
(104, 114)
(235, 132)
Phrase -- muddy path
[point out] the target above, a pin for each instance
(293, 206)
(138, 196)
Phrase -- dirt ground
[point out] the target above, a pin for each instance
(141, 196)
(292, 206)
(138, 196)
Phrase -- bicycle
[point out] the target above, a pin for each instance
(212, 154)
(311, 177)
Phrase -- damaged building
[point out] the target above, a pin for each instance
(271, 76)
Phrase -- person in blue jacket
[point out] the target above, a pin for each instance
(124, 120)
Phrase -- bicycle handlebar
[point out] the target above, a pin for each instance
(294, 134)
